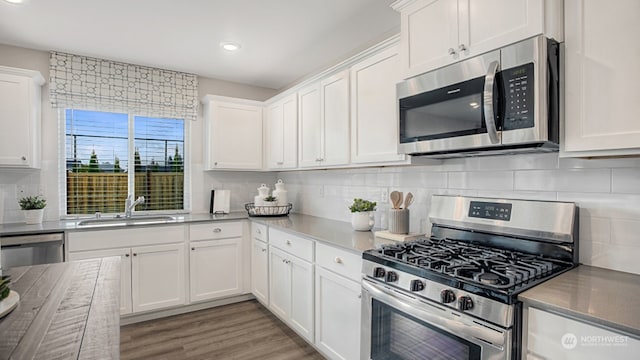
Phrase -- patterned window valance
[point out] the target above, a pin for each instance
(94, 84)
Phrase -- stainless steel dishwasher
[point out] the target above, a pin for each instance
(31, 249)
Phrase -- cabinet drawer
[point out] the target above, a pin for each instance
(119, 238)
(215, 230)
(294, 245)
(339, 261)
(259, 231)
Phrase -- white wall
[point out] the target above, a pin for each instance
(607, 192)
(45, 181)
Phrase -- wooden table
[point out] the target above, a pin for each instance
(66, 311)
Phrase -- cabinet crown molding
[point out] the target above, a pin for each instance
(401, 4)
(207, 98)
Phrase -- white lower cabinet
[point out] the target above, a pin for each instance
(551, 336)
(125, 271)
(216, 269)
(260, 271)
(291, 291)
(337, 315)
(153, 267)
(157, 279)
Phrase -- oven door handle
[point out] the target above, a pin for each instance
(488, 96)
(452, 324)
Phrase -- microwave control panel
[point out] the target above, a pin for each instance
(518, 96)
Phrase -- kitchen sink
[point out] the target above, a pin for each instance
(121, 221)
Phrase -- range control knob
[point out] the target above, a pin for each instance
(379, 272)
(416, 285)
(391, 277)
(447, 296)
(465, 303)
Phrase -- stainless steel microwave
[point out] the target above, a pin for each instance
(504, 101)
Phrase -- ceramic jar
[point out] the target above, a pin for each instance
(263, 192)
(280, 193)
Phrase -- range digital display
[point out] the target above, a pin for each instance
(489, 210)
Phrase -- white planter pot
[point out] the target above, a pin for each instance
(362, 221)
(269, 203)
(33, 216)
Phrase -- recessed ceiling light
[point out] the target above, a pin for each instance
(230, 46)
(14, 1)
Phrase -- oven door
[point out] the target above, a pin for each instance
(399, 326)
(450, 109)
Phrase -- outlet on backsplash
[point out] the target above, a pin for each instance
(321, 191)
(384, 195)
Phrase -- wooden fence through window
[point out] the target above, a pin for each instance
(107, 192)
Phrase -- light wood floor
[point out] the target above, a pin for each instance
(239, 331)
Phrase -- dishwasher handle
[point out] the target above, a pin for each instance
(31, 239)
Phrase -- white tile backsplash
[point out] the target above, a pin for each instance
(606, 190)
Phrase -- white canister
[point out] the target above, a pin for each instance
(280, 193)
(263, 190)
(258, 200)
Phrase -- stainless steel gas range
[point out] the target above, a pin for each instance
(454, 295)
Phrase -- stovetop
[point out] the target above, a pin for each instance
(492, 272)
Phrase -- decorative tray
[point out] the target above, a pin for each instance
(268, 210)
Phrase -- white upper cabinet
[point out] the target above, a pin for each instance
(20, 105)
(324, 122)
(282, 133)
(374, 124)
(435, 33)
(602, 73)
(233, 133)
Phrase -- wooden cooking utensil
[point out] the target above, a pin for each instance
(408, 200)
(396, 199)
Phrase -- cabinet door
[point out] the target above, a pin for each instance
(602, 73)
(283, 133)
(216, 269)
(490, 24)
(18, 134)
(310, 126)
(334, 99)
(301, 316)
(236, 136)
(279, 283)
(158, 279)
(429, 34)
(125, 271)
(337, 315)
(374, 122)
(260, 271)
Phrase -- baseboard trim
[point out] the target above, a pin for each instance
(136, 318)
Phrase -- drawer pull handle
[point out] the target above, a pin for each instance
(264, 250)
(288, 261)
(359, 296)
(135, 254)
(338, 260)
(217, 230)
(288, 242)
(193, 249)
(126, 255)
(24, 158)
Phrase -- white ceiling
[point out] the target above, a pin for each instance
(282, 40)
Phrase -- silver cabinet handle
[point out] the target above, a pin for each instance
(217, 230)
(24, 158)
(338, 260)
(318, 159)
(359, 296)
(264, 250)
(193, 249)
(487, 95)
(126, 255)
(215, 163)
(452, 51)
(134, 254)
(280, 163)
(288, 262)
(288, 242)
(462, 48)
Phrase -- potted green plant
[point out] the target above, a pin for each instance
(362, 214)
(270, 200)
(33, 208)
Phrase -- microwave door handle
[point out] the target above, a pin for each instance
(488, 96)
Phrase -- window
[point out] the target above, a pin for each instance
(110, 155)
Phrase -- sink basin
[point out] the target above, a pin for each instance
(135, 220)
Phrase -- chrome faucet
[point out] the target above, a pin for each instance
(130, 205)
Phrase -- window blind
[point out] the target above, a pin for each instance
(81, 82)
